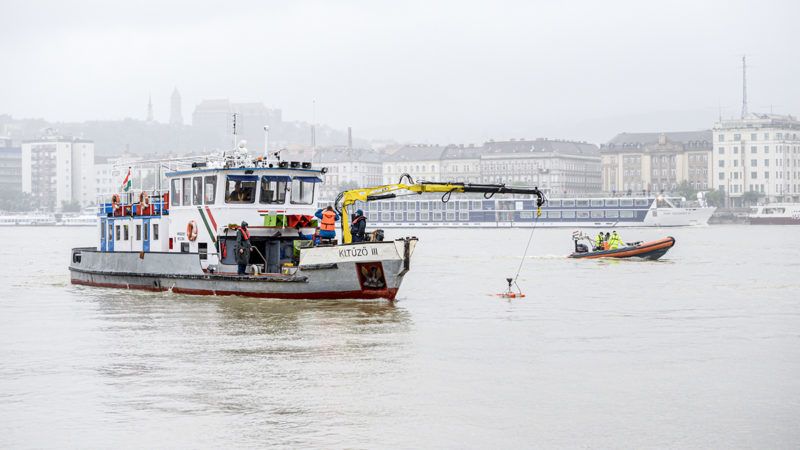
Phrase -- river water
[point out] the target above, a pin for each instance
(701, 349)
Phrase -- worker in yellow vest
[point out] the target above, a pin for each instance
(598, 241)
(327, 224)
(615, 241)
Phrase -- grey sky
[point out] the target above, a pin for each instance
(419, 71)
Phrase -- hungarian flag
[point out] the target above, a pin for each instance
(126, 184)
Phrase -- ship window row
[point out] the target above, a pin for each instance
(438, 216)
(122, 232)
(243, 189)
(505, 205)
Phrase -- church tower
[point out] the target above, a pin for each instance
(175, 114)
(150, 108)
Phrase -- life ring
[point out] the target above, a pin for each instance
(115, 201)
(191, 230)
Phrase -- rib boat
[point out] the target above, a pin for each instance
(651, 250)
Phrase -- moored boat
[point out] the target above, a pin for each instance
(651, 250)
(775, 214)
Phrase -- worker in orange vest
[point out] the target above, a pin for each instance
(327, 224)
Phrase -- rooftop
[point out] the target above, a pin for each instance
(641, 139)
(416, 153)
(337, 155)
(541, 145)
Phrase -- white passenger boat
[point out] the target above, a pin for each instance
(31, 220)
(84, 220)
(557, 212)
(775, 214)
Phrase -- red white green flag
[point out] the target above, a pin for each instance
(126, 184)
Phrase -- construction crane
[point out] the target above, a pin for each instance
(407, 186)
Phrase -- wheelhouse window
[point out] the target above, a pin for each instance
(197, 190)
(273, 189)
(176, 192)
(303, 190)
(240, 188)
(187, 192)
(210, 189)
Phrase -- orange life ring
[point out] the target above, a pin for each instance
(191, 230)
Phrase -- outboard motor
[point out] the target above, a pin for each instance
(581, 248)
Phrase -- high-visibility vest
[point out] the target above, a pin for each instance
(328, 221)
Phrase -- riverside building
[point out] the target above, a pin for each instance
(10, 166)
(348, 168)
(57, 170)
(557, 167)
(656, 162)
(758, 153)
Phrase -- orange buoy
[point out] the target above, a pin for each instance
(509, 293)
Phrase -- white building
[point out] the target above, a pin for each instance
(105, 180)
(348, 168)
(58, 170)
(757, 153)
(422, 162)
(555, 166)
(461, 164)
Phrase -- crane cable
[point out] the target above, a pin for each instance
(513, 281)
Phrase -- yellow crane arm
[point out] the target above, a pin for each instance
(368, 194)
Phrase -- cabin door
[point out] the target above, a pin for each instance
(145, 235)
(103, 234)
(110, 235)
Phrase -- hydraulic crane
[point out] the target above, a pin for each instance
(409, 187)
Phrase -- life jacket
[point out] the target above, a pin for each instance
(328, 221)
(245, 234)
(358, 219)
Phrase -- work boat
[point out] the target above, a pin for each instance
(183, 239)
(650, 250)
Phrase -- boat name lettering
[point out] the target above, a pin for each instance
(357, 251)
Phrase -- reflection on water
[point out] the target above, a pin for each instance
(199, 355)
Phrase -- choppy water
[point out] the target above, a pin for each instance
(701, 349)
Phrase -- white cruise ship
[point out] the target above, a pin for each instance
(557, 212)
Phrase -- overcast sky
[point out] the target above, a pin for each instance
(436, 72)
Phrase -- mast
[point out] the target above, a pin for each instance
(744, 86)
(235, 116)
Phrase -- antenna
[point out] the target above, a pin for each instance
(744, 86)
(266, 141)
(314, 124)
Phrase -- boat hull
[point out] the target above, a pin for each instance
(652, 251)
(325, 276)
